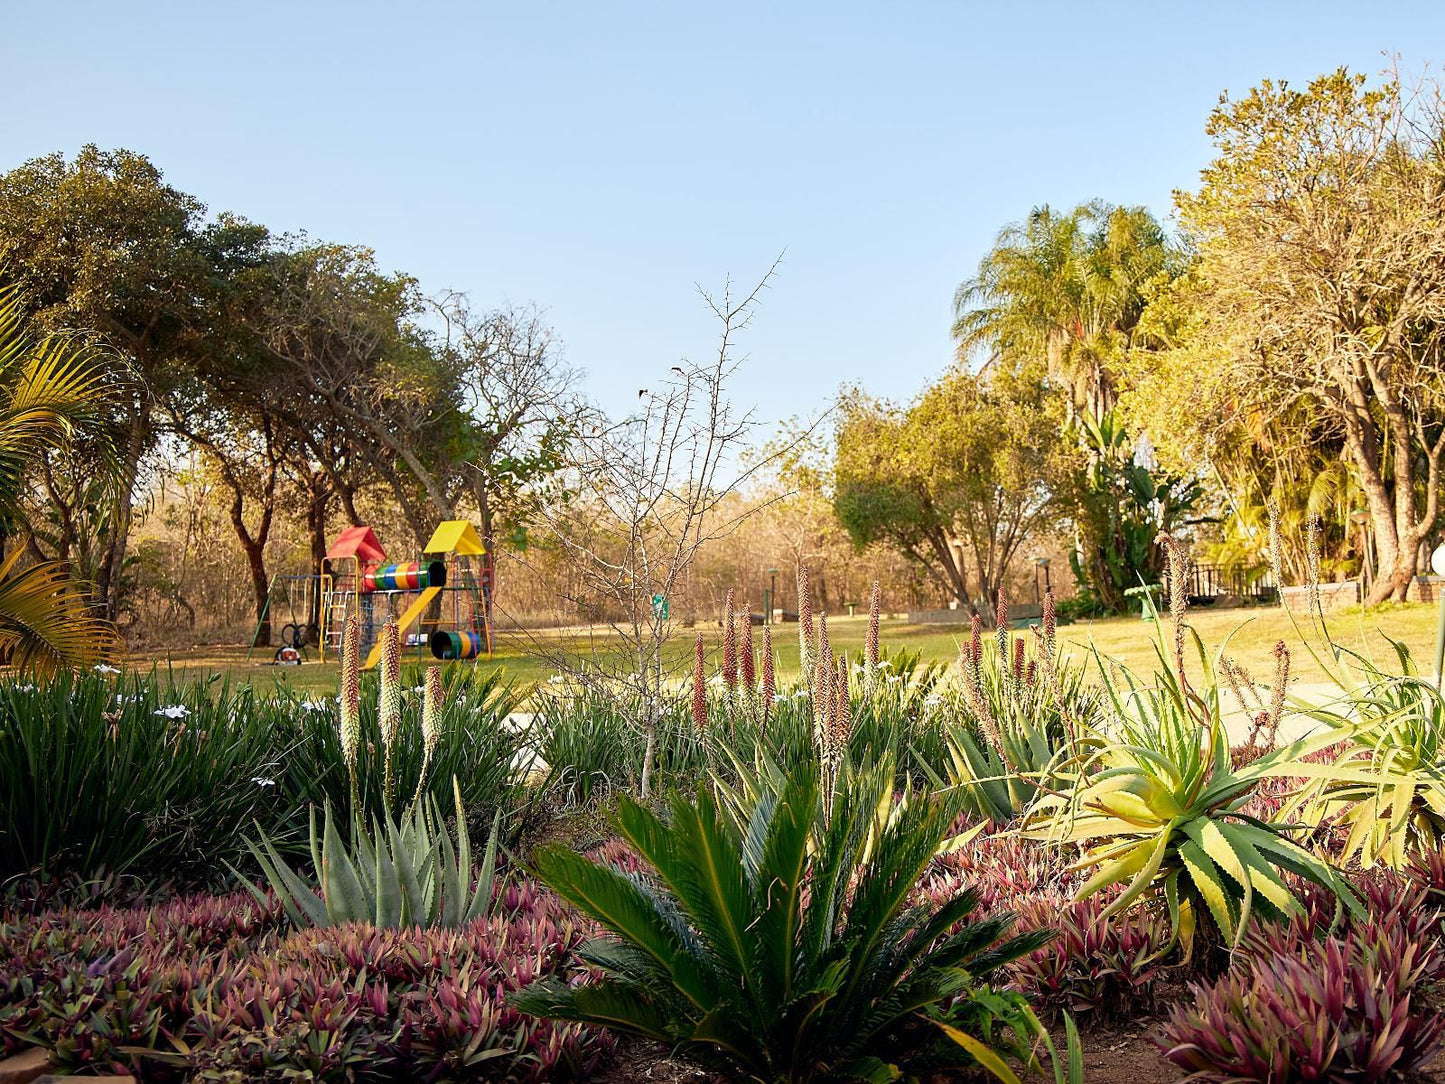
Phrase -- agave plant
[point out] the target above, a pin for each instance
(1159, 805)
(396, 875)
(776, 952)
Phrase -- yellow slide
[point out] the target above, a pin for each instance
(408, 618)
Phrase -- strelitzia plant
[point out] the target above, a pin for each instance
(1158, 804)
(407, 874)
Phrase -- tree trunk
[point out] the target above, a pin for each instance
(260, 588)
(108, 578)
(316, 508)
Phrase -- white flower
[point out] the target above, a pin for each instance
(262, 781)
(556, 679)
(26, 688)
(101, 668)
(894, 679)
(884, 664)
(313, 705)
(173, 711)
(780, 698)
(801, 694)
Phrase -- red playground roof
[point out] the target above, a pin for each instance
(358, 542)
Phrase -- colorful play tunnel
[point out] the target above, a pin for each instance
(457, 645)
(405, 576)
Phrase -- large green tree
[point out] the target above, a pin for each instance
(960, 479)
(101, 247)
(1316, 310)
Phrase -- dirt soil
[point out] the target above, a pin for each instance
(1110, 1057)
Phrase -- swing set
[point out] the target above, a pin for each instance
(303, 595)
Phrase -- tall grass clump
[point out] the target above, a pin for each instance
(144, 776)
(139, 775)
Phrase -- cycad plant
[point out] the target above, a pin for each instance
(780, 949)
(53, 391)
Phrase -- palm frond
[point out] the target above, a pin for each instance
(45, 620)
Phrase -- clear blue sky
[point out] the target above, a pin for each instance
(599, 159)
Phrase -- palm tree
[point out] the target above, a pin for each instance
(53, 391)
(1069, 289)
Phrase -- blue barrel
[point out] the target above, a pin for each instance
(457, 645)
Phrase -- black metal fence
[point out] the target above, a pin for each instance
(1209, 583)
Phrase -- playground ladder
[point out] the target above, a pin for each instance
(336, 604)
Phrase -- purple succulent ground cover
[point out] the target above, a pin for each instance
(217, 987)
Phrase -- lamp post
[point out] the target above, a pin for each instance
(772, 593)
(1040, 563)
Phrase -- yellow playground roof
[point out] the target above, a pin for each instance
(455, 536)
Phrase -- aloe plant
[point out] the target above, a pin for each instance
(777, 949)
(1159, 806)
(1389, 796)
(406, 874)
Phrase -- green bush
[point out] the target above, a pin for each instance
(139, 776)
(476, 746)
(593, 743)
(1019, 721)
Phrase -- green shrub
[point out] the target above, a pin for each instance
(1026, 709)
(145, 776)
(593, 743)
(787, 951)
(475, 746)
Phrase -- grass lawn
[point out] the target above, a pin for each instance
(1254, 634)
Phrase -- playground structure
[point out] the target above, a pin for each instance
(442, 601)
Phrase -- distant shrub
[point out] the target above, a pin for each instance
(163, 781)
